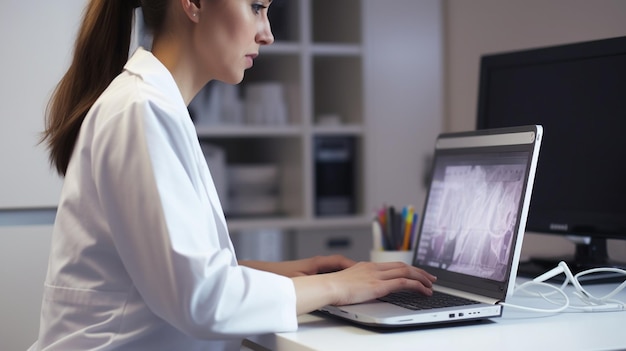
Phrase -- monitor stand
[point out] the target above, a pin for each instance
(590, 253)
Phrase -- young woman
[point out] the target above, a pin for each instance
(141, 257)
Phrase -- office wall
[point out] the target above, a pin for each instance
(477, 27)
(403, 97)
(37, 41)
(22, 271)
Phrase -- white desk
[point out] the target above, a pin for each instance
(515, 330)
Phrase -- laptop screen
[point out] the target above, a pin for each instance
(472, 212)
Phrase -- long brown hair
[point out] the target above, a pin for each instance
(100, 52)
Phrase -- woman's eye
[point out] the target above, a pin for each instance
(257, 8)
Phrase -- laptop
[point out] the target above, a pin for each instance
(471, 232)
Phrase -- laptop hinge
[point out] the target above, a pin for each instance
(467, 295)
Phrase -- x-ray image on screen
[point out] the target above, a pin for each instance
(471, 215)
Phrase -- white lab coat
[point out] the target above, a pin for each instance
(141, 258)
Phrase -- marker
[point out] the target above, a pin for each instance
(408, 225)
(382, 222)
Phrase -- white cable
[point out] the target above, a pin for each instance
(524, 287)
(601, 270)
(592, 303)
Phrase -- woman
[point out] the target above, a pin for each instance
(141, 257)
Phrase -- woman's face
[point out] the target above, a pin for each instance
(228, 36)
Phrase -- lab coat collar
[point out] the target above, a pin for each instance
(146, 66)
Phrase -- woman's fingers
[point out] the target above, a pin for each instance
(407, 284)
(392, 270)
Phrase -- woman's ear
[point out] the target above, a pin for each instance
(191, 8)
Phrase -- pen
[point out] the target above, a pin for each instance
(398, 230)
(413, 231)
(391, 235)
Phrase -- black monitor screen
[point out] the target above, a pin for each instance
(577, 92)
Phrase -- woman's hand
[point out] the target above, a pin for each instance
(367, 280)
(358, 283)
(308, 266)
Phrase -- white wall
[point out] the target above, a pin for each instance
(23, 264)
(403, 78)
(37, 44)
(36, 41)
(477, 27)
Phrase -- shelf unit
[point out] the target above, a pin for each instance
(317, 57)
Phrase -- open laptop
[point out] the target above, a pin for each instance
(471, 232)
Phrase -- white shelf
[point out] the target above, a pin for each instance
(235, 224)
(282, 48)
(246, 131)
(354, 130)
(331, 49)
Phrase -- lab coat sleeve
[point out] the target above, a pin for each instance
(167, 234)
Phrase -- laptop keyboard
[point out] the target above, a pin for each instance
(416, 301)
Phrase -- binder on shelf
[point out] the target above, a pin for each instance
(334, 158)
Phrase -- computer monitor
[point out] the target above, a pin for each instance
(577, 92)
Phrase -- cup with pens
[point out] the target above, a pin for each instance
(393, 234)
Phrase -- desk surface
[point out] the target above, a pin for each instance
(515, 330)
